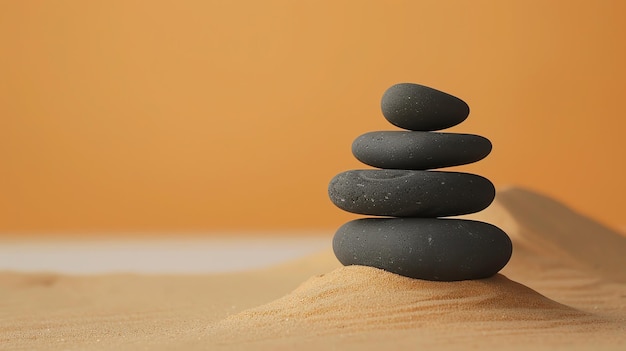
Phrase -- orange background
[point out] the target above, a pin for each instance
(126, 116)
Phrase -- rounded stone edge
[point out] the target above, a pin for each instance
(402, 209)
(394, 163)
(429, 99)
(508, 246)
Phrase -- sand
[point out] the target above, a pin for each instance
(565, 288)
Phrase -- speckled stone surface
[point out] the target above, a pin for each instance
(419, 150)
(418, 107)
(424, 248)
(406, 193)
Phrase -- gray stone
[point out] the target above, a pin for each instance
(406, 193)
(418, 107)
(419, 150)
(424, 248)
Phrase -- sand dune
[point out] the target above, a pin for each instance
(564, 288)
(547, 228)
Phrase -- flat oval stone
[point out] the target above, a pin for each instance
(424, 248)
(419, 150)
(407, 193)
(418, 107)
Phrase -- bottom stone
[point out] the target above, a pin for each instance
(424, 248)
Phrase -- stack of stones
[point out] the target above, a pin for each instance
(410, 238)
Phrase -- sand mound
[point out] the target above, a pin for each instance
(358, 299)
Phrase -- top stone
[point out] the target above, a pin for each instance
(420, 108)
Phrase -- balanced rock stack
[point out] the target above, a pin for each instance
(413, 241)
